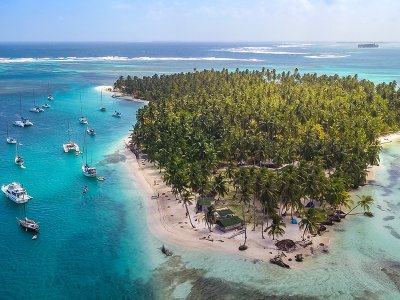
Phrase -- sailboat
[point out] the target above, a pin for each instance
(50, 96)
(116, 113)
(82, 119)
(70, 145)
(10, 139)
(28, 224)
(90, 131)
(18, 158)
(35, 108)
(102, 108)
(23, 121)
(87, 170)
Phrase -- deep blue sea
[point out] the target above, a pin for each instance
(96, 245)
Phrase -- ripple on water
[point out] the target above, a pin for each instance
(388, 218)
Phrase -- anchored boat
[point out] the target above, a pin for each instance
(15, 192)
(28, 224)
(70, 145)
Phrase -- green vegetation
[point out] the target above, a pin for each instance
(279, 140)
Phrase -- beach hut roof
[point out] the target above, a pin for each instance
(229, 221)
(225, 212)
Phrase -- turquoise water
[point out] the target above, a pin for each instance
(96, 245)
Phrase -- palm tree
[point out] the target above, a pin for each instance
(219, 186)
(269, 196)
(209, 216)
(276, 228)
(365, 202)
(186, 199)
(310, 221)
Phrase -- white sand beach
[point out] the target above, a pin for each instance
(166, 219)
(108, 89)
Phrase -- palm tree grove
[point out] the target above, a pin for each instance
(267, 144)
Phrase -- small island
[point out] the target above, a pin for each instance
(242, 159)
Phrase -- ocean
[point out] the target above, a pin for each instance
(96, 245)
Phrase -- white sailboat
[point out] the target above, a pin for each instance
(102, 107)
(116, 113)
(15, 192)
(50, 96)
(87, 170)
(23, 121)
(10, 139)
(28, 224)
(70, 146)
(90, 131)
(18, 158)
(82, 119)
(35, 108)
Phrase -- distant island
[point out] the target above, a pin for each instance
(368, 45)
(259, 152)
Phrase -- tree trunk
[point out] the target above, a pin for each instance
(254, 212)
(262, 222)
(267, 220)
(353, 209)
(244, 222)
(188, 214)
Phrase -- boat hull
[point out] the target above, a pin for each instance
(29, 225)
(19, 200)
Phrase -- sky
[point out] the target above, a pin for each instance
(199, 20)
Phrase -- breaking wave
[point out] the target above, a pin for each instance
(259, 50)
(118, 58)
(326, 56)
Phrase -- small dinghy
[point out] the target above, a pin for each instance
(34, 237)
(85, 189)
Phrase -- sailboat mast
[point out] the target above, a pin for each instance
(69, 133)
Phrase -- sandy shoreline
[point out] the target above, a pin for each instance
(108, 89)
(166, 217)
(167, 221)
(385, 139)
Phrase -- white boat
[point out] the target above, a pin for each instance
(91, 131)
(70, 146)
(23, 121)
(19, 123)
(82, 119)
(10, 139)
(26, 122)
(28, 224)
(36, 109)
(102, 108)
(89, 171)
(116, 114)
(15, 192)
(18, 158)
(50, 96)
(46, 105)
